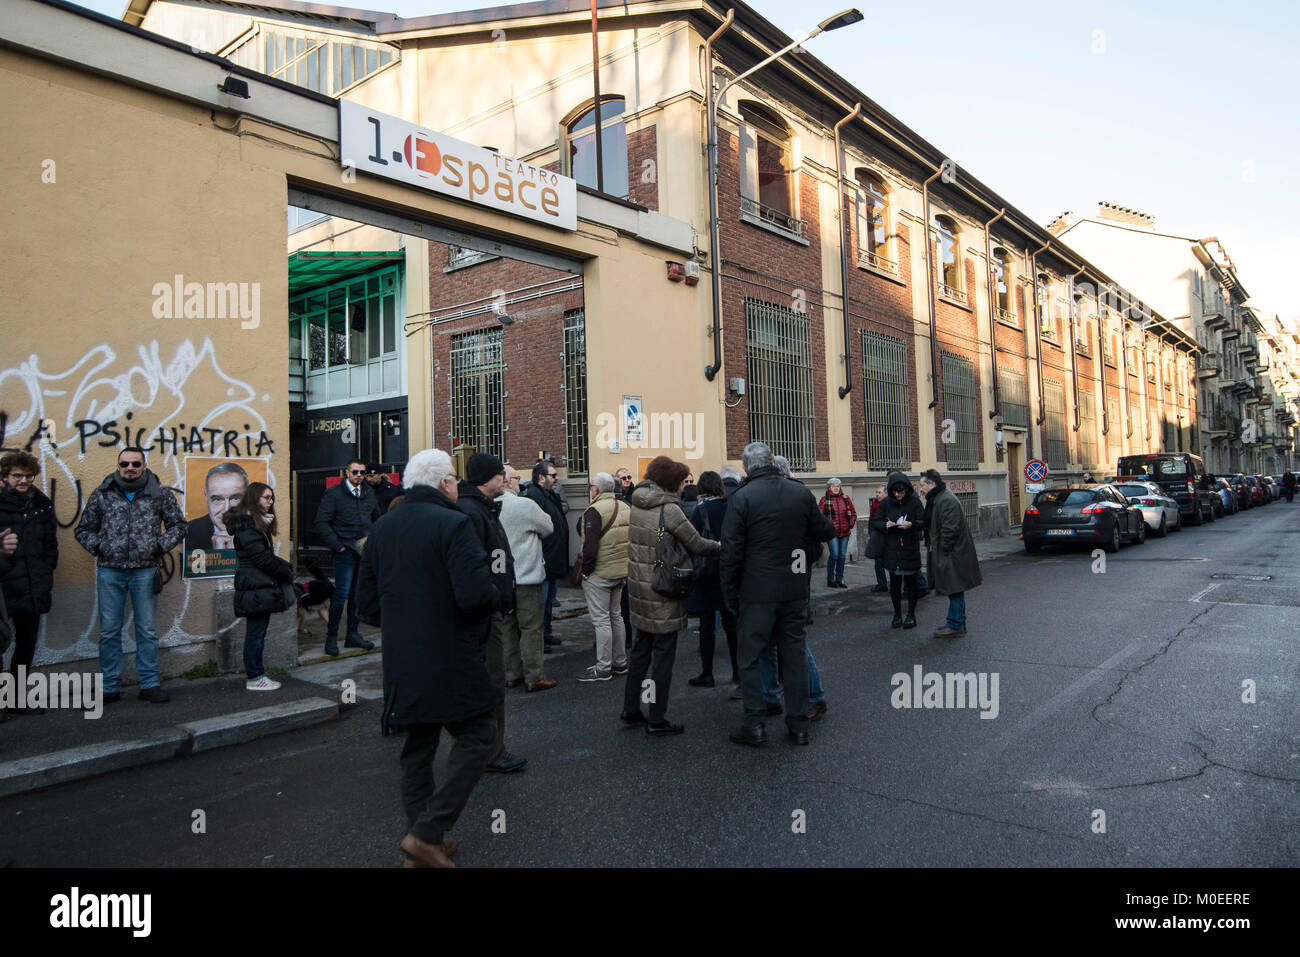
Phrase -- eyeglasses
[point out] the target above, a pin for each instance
(130, 465)
(21, 476)
(356, 471)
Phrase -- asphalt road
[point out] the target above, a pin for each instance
(1119, 693)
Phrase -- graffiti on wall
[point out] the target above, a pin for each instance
(171, 402)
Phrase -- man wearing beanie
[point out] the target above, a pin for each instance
(478, 494)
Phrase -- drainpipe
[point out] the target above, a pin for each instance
(1128, 396)
(1101, 337)
(1074, 350)
(993, 314)
(1038, 335)
(929, 277)
(715, 250)
(844, 250)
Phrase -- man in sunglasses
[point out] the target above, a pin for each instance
(343, 521)
(129, 522)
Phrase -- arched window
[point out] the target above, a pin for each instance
(580, 134)
(947, 245)
(1002, 279)
(767, 181)
(1046, 324)
(873, 221)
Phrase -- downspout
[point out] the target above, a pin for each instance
(715, 250)
(929, 277)
(847, 387)
(1101, 347)
(1128, 395)
(1038, 337)
(993, 316)
(1074, 348)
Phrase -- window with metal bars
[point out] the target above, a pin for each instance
(1087, 428)
(1112, 420)
(1015, 405)
(1058, 446)
(780, 381)
(970, 508)
(959, 406)
(477, 417)
(575, 391)
(884, 397)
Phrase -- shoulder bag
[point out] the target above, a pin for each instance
(706, 566)
(673, 575)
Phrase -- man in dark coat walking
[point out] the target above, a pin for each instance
(478, 494)
(764, 572)
(343, 521)
(954, 565)
(425, 580)
(1288, 484)
(555, 547)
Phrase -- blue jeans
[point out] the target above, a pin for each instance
(921, 583)
(838, 550)
(552, 586)
(881, 579)
(254, 642)
(111, 588)
(345, 592)
(957, 611)
(767, 668)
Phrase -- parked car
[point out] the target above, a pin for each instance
(1238, 481)
(1274, 487)
(1093, 514)
(1181, 475)
(1229, 496)
(1160, 512)
(1257, 494)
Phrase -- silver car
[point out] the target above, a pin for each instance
(1158, 509)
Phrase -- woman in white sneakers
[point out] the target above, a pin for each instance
(263, 580)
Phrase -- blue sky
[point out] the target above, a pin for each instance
(1187, 112)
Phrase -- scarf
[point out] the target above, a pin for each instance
(126, 486)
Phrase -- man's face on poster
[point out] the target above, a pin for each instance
(221, 492)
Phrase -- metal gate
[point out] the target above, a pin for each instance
(959, 406)
(884, 399)
(780, 382)
(575, 391)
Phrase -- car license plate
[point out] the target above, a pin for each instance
(1060, 531)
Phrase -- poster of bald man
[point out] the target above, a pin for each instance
(212, 487)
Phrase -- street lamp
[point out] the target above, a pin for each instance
(842, 19)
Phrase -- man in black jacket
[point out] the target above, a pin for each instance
(425, 580)
(385, 491)
(764, 573)
(343, 521)
(483, 485)
(555, 547)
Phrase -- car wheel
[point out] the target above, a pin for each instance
(1141, 533)
(1209, 515)
(1178, 525)
(1163, 530)
(1032, 547)
(1113, 545)
(1198, 517)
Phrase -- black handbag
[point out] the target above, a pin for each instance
(706, 566)
(875, 545)
(673, 575)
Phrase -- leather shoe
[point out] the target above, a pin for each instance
(544, 685)
(515, 683)
(112, 697)
(773, 708)
(506, 763)
(946, 632)
(753, 735)
(816, 710)
(331, 648)
(430, 855)
(702, 681)
(909, 622)
(359, 642)
(799, 737)
(664, 727)
(551, 641)
(448, 847)
(633, 717)
(154, 696)
(897, 622)
(738, 694)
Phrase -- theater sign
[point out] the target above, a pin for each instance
(384, 145)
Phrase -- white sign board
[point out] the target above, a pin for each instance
(633, 416)
(384, 145)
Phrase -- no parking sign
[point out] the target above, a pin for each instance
(1035, 472)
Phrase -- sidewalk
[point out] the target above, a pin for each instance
(38, 751)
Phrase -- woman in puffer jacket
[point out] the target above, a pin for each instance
(900, 520)
(260, 578)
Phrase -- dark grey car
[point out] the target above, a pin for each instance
(1082, 514)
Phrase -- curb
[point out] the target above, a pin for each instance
(75, 764)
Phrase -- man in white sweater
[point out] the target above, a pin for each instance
(526, 524)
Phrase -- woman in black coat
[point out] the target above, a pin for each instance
(260, 579)
(900, 522)
(28, 584)
(706, 600)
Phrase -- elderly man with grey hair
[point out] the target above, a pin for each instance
(764, 574)
(732, 479)
(425, 580)
(604, 575)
